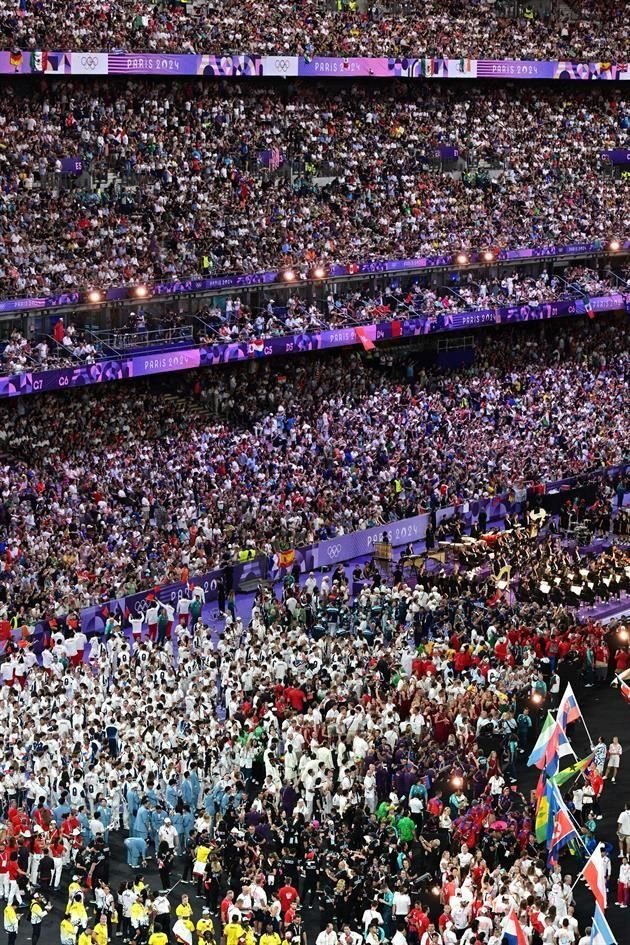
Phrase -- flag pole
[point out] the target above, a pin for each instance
(590, 737)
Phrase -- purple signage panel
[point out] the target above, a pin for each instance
(354, 67)
(173, 64)
(448, 153)
(184, 360)
(515, 69)
(36, 62)
(93, 618)
(617, 155)
(71, 165)
(44, 62)
(562, 70)
(357, 544)
(216, 283)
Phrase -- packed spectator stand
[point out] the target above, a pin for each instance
(453, 28)
(155, 490)
(173, 187)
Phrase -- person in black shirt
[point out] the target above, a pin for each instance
(310, 877)
(297, 930)
(290, 864)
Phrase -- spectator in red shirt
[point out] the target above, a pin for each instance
(287, 895)
(417, 922)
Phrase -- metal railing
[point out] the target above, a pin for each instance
(124, 338)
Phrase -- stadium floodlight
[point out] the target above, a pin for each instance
(140, 291)
(94, 296)
(488, 256)
(319, 272)
(288, 275)
(461, 259)
(614, 246)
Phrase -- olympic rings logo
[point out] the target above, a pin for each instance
(282, 65)
(90, 62)
(334, 551)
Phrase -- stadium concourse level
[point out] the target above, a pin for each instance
(70, 344)
(480, 29)
(106, 493)
(173, 186)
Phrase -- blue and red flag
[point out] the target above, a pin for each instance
(563, 833)
(513, 933)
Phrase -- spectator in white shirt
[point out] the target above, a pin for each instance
(401, 903)
(328, 936)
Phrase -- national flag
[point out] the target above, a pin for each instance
(563, 833)
(624, 689)
(513, 933)
(257, 348)
(568, 709)
(539, 750)
(584, 306)
(362, 335)
(286, 559)
(601, 933)
(15, 59)
(563, 776)
(546, 810)
(559, 745)
(39, 61)
(182, 933)
(594, 875)
(551, 744)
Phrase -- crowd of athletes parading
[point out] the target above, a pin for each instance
(457, 29)
(176, 191)
(365, 784)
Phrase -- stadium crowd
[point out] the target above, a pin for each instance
(456, 29)
(175, 189)
(346, 754)
(105, 494)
